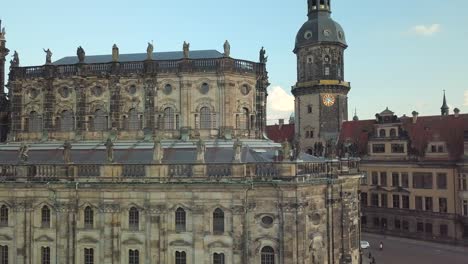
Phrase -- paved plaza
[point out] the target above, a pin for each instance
(406, 251)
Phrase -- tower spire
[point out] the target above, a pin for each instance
(3, 53)
(444, 109)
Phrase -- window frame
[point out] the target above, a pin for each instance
(4, 215)
(134, 219)
(267, 255)
(218, 221)
(180, 220)
(88, 217)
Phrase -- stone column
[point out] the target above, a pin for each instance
(23, 211)
(154, 233)
(238, 213)
(198, 231)
(111, 232)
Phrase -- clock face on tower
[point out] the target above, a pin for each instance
(328, 99)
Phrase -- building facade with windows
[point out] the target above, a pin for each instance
(414, 174)
(160, 158)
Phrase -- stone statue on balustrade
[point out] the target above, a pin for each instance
(158, 152)
(48, 56)
(201, 149)
(149, 51)
(109, 150)
(286, 149)
(15, 62)
(227, 49)
(81, 54)
(186, 49)
(237, 151)
(67, 152)
(115, 53)
(23, 153)
(263, 58)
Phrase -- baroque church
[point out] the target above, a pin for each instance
(161, 157)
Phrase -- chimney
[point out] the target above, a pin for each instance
(281, 122)
(415, 117)
(456, 112)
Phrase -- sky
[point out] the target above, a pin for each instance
(402, 54)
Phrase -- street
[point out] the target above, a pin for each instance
(406, 251)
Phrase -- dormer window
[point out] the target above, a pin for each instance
(437, 148)
(393, 132)
(382, 133)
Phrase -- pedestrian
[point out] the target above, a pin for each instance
(370, 255)
(373, 260)
(381, 245)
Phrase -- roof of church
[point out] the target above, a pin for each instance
(449, 129)
(170, 55)
(281, 133)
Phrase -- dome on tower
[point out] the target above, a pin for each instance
(320, 28)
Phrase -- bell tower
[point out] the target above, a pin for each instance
(3, 98)
(321, 102)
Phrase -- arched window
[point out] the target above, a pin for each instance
(4, 254)
(243, 119)
(133, 257)
(218, 221)
(45, 216)
(382, 133)
(169, 119)
(180, 220)
(134, 219)
(205, 118)
(66, 121)
(393, 132)
(133, 120)
(88, 217)
(218, 258)
(89, 256)
(45, 255)
(268, 255)
(180, 257)
(100, 121)
(34, 123)
(4, 215)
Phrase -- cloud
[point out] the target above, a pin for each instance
(426, 30)
(466, 98)
(280, 104)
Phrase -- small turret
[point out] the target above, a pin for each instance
(444, 109)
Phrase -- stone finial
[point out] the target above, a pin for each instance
(23, 153)
(67, 152)
(227, 49)
(286, 149)
(48, 56)
(237, 151)
(149, 51)
(201, 149)
(15, 62)
(158, 151)
(115, 53)
(110, 150)
(2, 31)
(186, 49)
(81, 54)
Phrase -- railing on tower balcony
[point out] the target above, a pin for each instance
(141, 67)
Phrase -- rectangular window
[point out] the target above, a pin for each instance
(422, 180)
(309, 109)
(465, 231)
(433, 148)
(375, 200)
(378, 148)
(428, 204)
(396, 201)
(376, 222)
(327, 71)
(384, 223)
(375, 178)
(443, 230)
(404, 180)
(383, 179)
(180, 257)
(398, 148)
(133, 257)
(88, 256)
(440, 149)
(4, 254)
(364, 199)
(364, 178)
(384, 200)
(395, 179)
(397, 224)
(405, 202)
(45, 255)
(441, 181)
(463, 182)
(405, 225)
(218, 258)
(420, 227)
(418, 203)
(465, 208)
(428, 228)
(443, 205)
(364, 220)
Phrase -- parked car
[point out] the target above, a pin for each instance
(365, 244)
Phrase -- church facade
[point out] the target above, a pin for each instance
(160, 157)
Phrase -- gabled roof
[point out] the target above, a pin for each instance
(171, 55)
(279, 134)
(449, 129)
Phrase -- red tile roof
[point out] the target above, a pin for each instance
(449, 129)
(281, 133)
